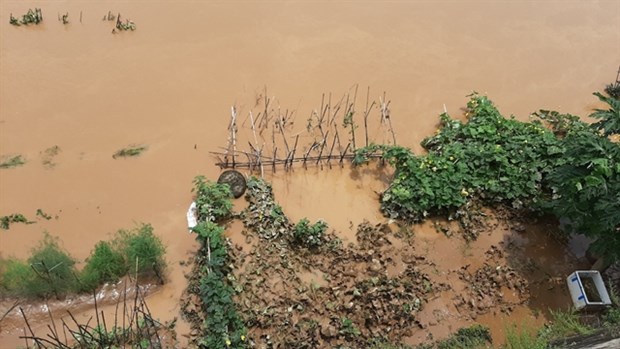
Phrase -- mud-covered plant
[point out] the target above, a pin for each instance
(309, 235)
(348, 328)
(213, 200)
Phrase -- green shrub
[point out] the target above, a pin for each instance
(489, 157)
(309, 235)
(54, 269)
(143, 251)
(15, 275)
(213, 200)
(105, 264)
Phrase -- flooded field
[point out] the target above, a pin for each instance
(170, 84)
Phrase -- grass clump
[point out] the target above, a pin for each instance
(105, 264)
(565, 323)
(12, 161)
(6, 221)
(130, 151)
(472, 337)
(309, 235)
(143, 251)
(524, 337)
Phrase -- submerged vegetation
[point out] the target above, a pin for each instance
(130, 151)
(12, 161)
(6, 221)
(31, 17)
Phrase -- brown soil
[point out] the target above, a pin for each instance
(393, 282)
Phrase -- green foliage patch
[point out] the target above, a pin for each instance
(488, 157)
(105, 264)
(555, 163)
(213, 200)
(309, 235)
(475, 336)
(130, 151)
(143, 251)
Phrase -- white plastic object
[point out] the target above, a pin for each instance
(192, 220)
(578, 293)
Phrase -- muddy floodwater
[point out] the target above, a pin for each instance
(170, 85)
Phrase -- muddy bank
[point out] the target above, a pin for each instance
(411, 284)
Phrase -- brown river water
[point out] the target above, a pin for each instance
(171, 83)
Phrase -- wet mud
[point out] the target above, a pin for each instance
(410, 284)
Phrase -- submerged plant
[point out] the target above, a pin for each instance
(131, 151)
(12, 161)
(6, 221)
(31, 17)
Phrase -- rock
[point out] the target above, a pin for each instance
(329, 332)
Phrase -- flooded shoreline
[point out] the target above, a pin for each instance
(171, 83)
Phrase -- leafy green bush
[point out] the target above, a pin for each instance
(105, 264)
(223, 326)
(143, 251)
(210, 234)
(565, 324)
(213, 200)
(488, 157)
(309, 235)
(14, 276)
(54, 269)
